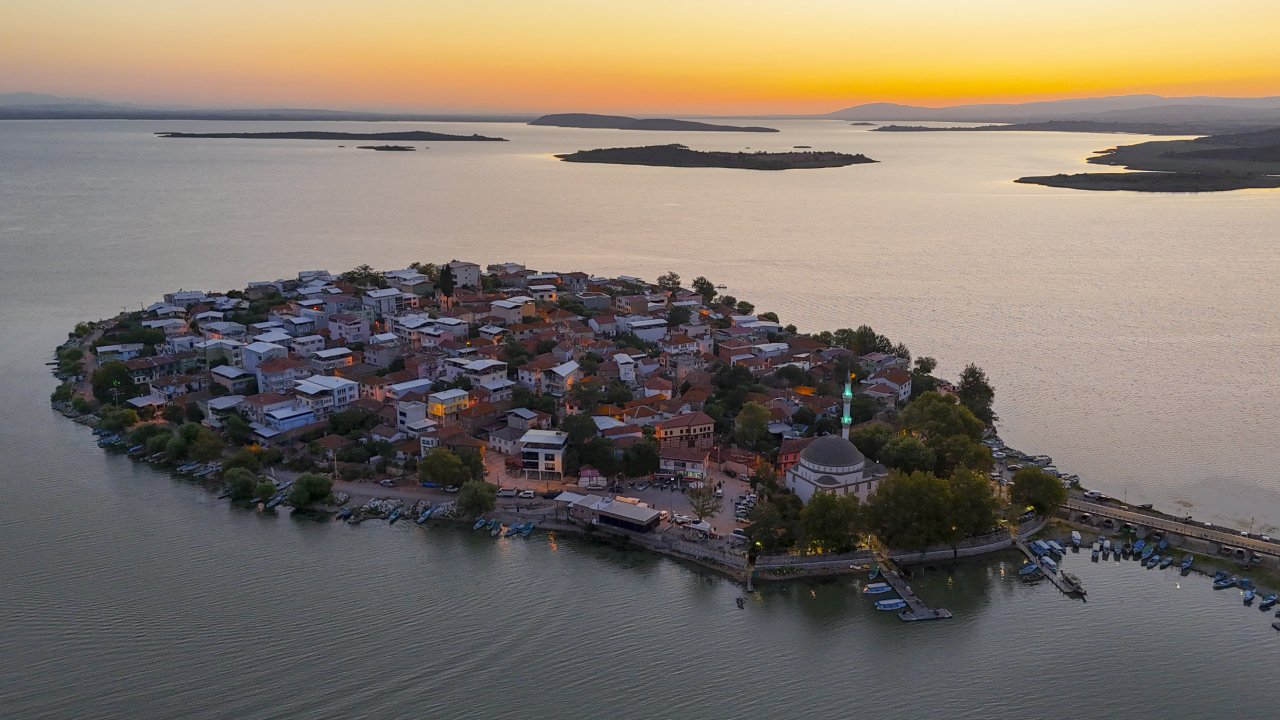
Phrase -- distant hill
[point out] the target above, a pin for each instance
(621, 122)
(1217, 112)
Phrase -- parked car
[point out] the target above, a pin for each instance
(451, 488)
(527, 495)
(1093, 495)
(386, 482)
(506, 492)
(719, 493)
(738, 534)
(681, 519)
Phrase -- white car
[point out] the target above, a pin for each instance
(681, 519)
(526, 495)
(1093, 495)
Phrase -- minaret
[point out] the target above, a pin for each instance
(847, 420)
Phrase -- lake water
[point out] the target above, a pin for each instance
(1132, 337)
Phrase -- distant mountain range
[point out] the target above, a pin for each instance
(1218, 111)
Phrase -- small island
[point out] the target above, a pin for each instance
(1076, 126)
(682, 156)
(386, 148)
(1153, 181)
(404, 136)
(621, 122)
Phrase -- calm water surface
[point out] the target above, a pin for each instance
(1132, 337)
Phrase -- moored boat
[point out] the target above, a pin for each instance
(1048, 563)
(1187, 562)
(1248, 596)
(1094, 555)
(1148, 551)
(480, 522)
(394, 516)
(877, 588)
(1073, 584)
(1075, 538)
(1224, 583)
(1268, 602)
(894, 604)
(1152, 561)
(528, 529)
(875, 572)
(1139, 545)
(511, 530)
(423, 516)
(1166, 561)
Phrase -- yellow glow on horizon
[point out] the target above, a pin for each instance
(714, 56)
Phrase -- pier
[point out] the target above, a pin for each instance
(916, 609)
(1057, 578)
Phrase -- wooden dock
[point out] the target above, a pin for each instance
(1055, 577)
(917, 610)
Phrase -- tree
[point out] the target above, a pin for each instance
(744, 308)
(309, 489)
(977, 394)
(705, 288)
(830, 522)
(871, 439)
(477, 498)
(599, 453)
(263, 490)
(617, 393)
(242, 458)
(580, 428)
(937, 417)
(908, 454)
(206, 446)
(973, 507)
(175, 449)
(240, 483)
(116, 419)
(925, 365)
(111, 383)
(237, 429)
(804, 416)
(445, 282)
(764, 479)
(959, 451)
(774, 524)
(194, 413)
(910, 510)
(1035, 488)
(669, 282)
(678, 315)
(174, 413)
(364, 276)
(443, 467)
(703, 500)
(751, 427)
(641, 459)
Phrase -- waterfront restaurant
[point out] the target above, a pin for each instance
(607, 511)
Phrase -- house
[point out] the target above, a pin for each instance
(348, 328)
(145, 369)
(172, 327)
(307, 345)
(217, 409)
(512, 310)
(235, 379)
(326, 394)
(465, 274)
(256, 407)
(258, 352)
(684, 462)
(526, 419)
(123, 351)
(288, 417)
(693, 430)
(560, 379)
(644, 327)
(223, 330)
(384, 302)
(409, 412)
(679, 344)
(542, 452)
(382, 349)
(896, 378)
(328, 360)
(280, 375)
(445, 405)
(543, 293)
(789, 452)
(506, 440)
(613, 513)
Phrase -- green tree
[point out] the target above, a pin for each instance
(237, 429)
(599, 453)
(705, 288)
(242, 458)
(678, 315)
(669, 282)
(976, 393)
(973, 507)
(774, 525)
(443, 467)
(640, 459)
(206, 446)
(937, 417)
(1035, 488)
(309, 489)
(264, 490)
(580, 428)
(871, 439)
(445, 282)
(925, 365)
(908, 454)
(364, 276)
(911, 510)
(703, 500)
(194, 413)
(477, 498)
(117, 419)
(240, 483)
(174, 413)
(751, 427)
(830, 522)
(961, 452)
(764, 479)
(111, 383)
(175, 449)
(744, 308)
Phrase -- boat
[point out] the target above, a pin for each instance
(1138, 545)
(1224, 583)
(1164, 543)
(894, 604)
(1055, 547)
(344, 513)
(1186, 562)
(1029, 570)
(1220, 575)
(1048, 564)
(492, 524)
(1245, 583)
(1106, 545)
(1073, 584)
(1249, 595)
(1152, 561)
(1166, 562)
(479, 524)
(528, 529)
(1075, 538)
(136, 449)
(877, 588)
(1125, 549)
(1276, 625)
(1094, 555)
(1148, 551)
(875, 572)
(422, 516)
(394, 516)
(495, 532)
(741, 601)
(1268, 602)
(1106, 552)
(273, 502)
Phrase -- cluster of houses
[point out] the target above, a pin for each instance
(447, 371)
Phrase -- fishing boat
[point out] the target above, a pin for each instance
(1048, 564)
(479, 524)
(1268, 602)
(224, 495)
(877, 588)
(1166, 562)
(492, 524)
(1220, 575)
(1164, 543)
(1249, 595)
(495, 532)
(1030, 572)
(273, 502)
(1138, 545)
(528, 529)
(1075, 539)
(344, 513)
(1056, 548)
(894, 604)
(394, 516)
(1073, 584)
(136, 449)
(1125, 549)
(422, 516)
(1186, 562)
(1245, 584)
(1148, 551)
(875, 572)
(511, 530)
(1094, 555)
(1224, 583)
(1275, 625)
(1152, 561)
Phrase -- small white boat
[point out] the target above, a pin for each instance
(877, 588)
(894, 604)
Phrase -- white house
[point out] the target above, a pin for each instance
(256, 353)
(542, 452)
(325, 394)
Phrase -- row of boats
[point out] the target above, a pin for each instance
(1223, 580)
(496, 528)
(880, 588)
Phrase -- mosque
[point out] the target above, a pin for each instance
(832, 464)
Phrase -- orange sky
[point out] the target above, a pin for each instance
(692, 56)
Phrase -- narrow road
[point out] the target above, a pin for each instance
(1189, 529)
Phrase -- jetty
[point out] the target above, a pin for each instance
(1058, 579)
(916, 610)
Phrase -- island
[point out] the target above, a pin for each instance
(682, 156)
(621, 122)
(1233, 161)
(403, 136)
(1076, 126)
(386, 148)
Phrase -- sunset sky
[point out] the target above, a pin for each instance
(692, 56)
